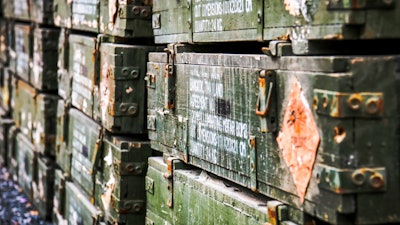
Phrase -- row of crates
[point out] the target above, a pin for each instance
(203, 111)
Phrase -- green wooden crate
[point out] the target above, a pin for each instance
(64, 78)
(45, 54)
(41, 11)
(79, 209)
(58, 213)
(44, 124)
(27, 165)
(222, 112)
(21, 10)
(23, 50)
(121, 190)
(82, 61)
(24, 107)
(63, 152)
(85, 15)
(43, 187)
(12, 164)
(62, 13)
(84, 141)
(122, 87)
(126, 19)
(182, 195)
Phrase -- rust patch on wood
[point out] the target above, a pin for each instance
(299, 139)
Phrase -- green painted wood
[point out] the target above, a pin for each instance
(21, 10)
(23, 50)
(45, 54)
(85, 15)
(79, 209)
(122, 87)
(24, 107)
(84, 139)
(12, 153)
(62, 150)
(43, 187)
(45, 124)
(126, 19)
(122, 194)
(64, 78)
(82, 70)
(62, 13)
(58, 213)
(41, 11)
(27, 165)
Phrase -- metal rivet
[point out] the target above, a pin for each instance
(354, 102)
(137, 208)
(372, 105)
(325, 102)
(132, 110)
(315, 103)
(123, 108)
(145, 13)
(136, 10)
(125, 71)
(358, 178)
(376, 181)
(134, 73)
(262, 73)
(130, 168)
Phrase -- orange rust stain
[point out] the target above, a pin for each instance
(299, 139)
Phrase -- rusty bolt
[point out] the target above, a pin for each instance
(376, 181)
(137, 208)
(125, 71)
(252, 142)
(145, 12)
(127, 205)
(358, 178)
(262, 74)
(325, 102)
(134, 74)
(130, 168)
(315, 103)
(136, 10)
(373, 105)
(123, 107)
(354, 102)
(132, 110)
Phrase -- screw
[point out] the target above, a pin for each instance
(145, 13)
(373, 105)
(262, 74)
(136, 10)
(123, 107)
(358, 178)
(376, 181)
(134, 74)
(125, 71)
(132, 110)
(354, 102)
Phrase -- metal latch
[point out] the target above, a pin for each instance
(169, 81)
(360, 4)
(130, 206)
(343, 105)
(266, 101)
(168, 175)
(347, 181)
(253, 163)
(277, 212)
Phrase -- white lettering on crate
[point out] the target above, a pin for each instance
(203, 10)
(212, 132)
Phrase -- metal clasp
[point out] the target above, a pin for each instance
(265, 106)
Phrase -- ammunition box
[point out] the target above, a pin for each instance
(59, 198)
(25, 107)
(194, 197)
(122, 194)
(27, 165)
(43, 187)
(82, 67)
(64, 77)
(79, 209)
(253, 20)
(21, 10)
(63, 152)
(5, 126)
(23, 50)
(122, 89)
(62, 13)
(222, 112)
(85, 15)
(41, 11)
(44, 124)
(12, 164)
(126, 19)
(44, 71)
(84, 141)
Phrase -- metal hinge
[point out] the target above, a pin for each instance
(132, 168)
(253, 163)
(169, 78)
(347, 181)
(169, 175)
(343, 105)
(130, 206)
(277, 212)
(266, 102)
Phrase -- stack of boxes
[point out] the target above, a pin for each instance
(202, 111)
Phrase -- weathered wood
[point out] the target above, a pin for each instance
(58, 216)
(63, 152)
(62, 13)
(41, 11)
(23, 50)
(27, 165)
(85, 15)
(43, 187)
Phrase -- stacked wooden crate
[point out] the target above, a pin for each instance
(202, 111)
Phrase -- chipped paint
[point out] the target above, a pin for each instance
(299, 139)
